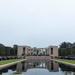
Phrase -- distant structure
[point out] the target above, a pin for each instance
(38, 53)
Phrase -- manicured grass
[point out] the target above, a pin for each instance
(66, 60)
(9, 61)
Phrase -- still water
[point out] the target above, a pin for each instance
(37, 67)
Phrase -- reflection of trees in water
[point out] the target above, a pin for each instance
(67, 70)
(5, 70)
(67, 73)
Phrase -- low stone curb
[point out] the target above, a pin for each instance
(66, 63)
(10, 64)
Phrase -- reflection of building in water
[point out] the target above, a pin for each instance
(19, 67)
(51, 66)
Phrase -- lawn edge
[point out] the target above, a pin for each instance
(66, 63)
(10, 64)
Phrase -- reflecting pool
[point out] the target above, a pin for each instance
(38, 67)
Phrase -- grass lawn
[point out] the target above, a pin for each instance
(9, 61)
(65, 60)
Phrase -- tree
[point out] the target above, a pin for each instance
(73, 50)
(7, 51)
(65, 49)
(2, 50)
(12, 51)
(65, 45)
(15, 48)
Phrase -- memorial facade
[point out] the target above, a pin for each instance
(38, 53)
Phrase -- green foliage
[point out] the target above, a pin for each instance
(65, 45)
(2, 50)
(8, 51)
(73, 50)
(67, 49)
(12, 51)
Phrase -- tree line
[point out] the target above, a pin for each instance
(8, 51)
(67, 49)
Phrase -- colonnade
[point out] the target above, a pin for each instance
(37, 52)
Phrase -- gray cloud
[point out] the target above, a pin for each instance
(37, 23)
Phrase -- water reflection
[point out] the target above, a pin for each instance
(50, 65)
(5, 70)
(41, 67)
(66, 69)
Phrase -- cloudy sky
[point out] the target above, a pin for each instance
(37, 23)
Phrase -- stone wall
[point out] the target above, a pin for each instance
(37, 57)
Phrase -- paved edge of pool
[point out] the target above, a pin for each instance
(11, 64)
(66, 63)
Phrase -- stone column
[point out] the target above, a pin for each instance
(49, 52)
(45, 52)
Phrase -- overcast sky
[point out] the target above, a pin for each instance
(37, 23)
